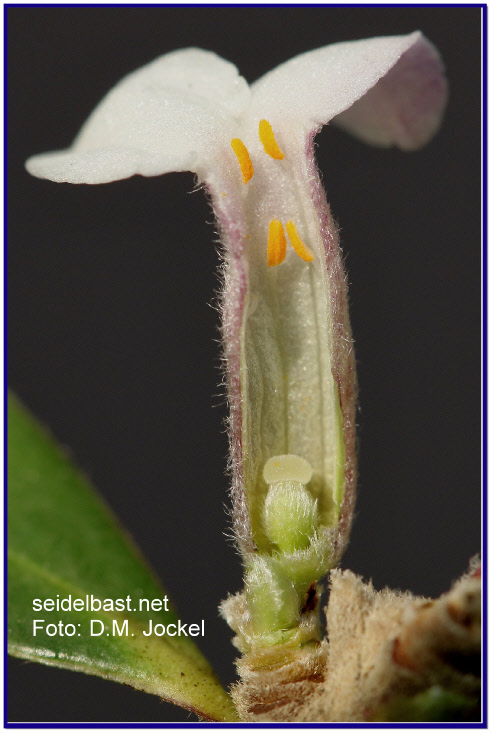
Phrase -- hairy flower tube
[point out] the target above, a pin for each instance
(287, 341)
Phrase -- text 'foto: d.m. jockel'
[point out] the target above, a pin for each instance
(286, 334)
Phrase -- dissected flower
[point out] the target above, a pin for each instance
(287, 339)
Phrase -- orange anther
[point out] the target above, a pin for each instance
(277, 243)
(243, 157)
(301, 249)
(268, 140)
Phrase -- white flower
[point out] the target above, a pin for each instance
(287, 340)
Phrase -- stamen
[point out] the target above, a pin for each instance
(243, 157)
(268, 140)
(301, 249)
(277, 243)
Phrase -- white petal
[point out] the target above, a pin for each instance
(405, 107)
(166, 116)
(102, 165)
(398, 80)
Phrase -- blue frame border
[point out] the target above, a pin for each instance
(135, 726)
(485, 359)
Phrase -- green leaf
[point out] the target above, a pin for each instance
(64, 542)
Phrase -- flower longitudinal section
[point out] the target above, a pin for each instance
(288, 347)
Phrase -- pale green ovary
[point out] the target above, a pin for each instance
(277, 584)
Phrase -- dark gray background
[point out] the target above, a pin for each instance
(112, 340)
